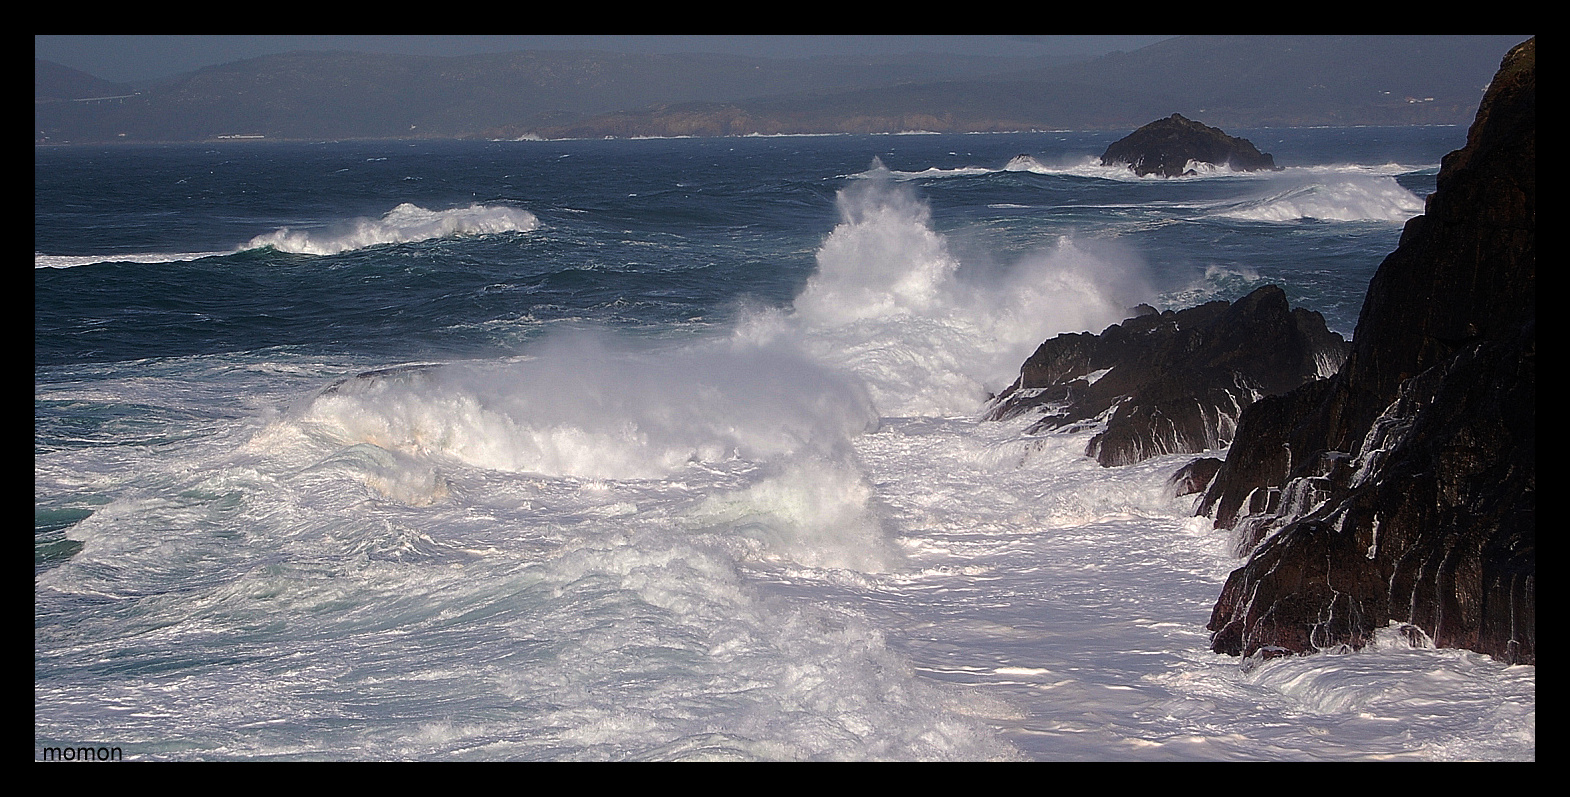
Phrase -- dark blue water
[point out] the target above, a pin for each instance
(634, 233)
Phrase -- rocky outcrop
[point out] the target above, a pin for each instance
(1195, 477)
(1403, 490)
(1172, 382)
(1167, 148)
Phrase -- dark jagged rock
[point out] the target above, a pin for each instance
(1403, 490)
(1194, 477)
(1172, 382)
(1166, 146)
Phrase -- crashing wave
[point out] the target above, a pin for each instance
(406, 223)
(1348, 198)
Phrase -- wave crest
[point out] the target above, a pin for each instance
(891, 303)
(405, 223)
(584, 407)
(1346, 197)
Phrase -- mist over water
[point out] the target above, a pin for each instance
(587, 407)
(890, 301)
(668, 451)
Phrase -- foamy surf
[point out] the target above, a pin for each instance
(585, 406)
(892, 303)
(405, 223)
(753, 529)
(1345, 196)
(41, 260)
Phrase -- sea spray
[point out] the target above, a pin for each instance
(810, 510)
(585, 405)
(882, 260)
(891, 302)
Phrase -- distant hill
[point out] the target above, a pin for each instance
(1260, 81)
(55, 83)
(1226, 81)
(330, 95)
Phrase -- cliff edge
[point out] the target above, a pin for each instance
(1403, 489)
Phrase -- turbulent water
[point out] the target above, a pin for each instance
(668, 449)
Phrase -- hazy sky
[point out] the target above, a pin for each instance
(135, 58)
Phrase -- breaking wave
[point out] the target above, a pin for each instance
(41, 260)
(405, 223)
(890, 302)
(1333, 197)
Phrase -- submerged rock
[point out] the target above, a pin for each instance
(1407, 483)
(1172, 382)
(1166, 147)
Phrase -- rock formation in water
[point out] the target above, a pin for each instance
(1195, 477)
(1403, 490)
(1172, 382)
(1166, 147)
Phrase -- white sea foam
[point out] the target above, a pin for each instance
(1387, 169)
(812, 511)
(403, 224)
(584, 406)
(41, 260)
(958, 171)
(1330, 197)
(1091, 166)
(1025, 163)
(518, 613)
(891, 302)
(949, 591)
(1073, 166)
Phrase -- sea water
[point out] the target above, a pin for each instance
(669, 449)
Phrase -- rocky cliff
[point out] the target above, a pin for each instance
(1403, 490)
(1172, 382)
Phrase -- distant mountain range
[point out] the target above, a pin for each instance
(1224, 81)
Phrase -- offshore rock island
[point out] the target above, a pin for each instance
(1168, 148)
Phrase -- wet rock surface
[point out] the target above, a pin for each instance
(1405, 487)
(1172, 382)
(1167, 147)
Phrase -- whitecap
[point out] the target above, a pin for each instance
(405, 223)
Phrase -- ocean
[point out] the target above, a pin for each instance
(669, 449)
